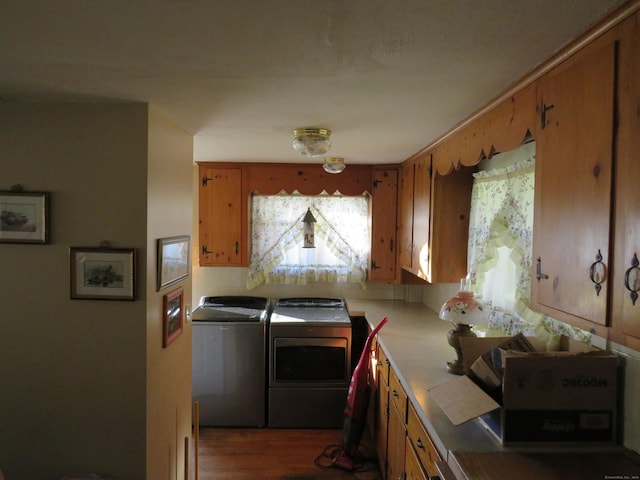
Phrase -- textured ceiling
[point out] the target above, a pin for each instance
(387, 76)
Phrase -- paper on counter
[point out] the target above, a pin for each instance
(461, 400)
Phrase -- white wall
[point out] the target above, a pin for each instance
(170, 214)
(84, 384)
(72, 372)
(231, 281)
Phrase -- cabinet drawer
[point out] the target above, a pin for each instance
(421, 442)
(397, 395)
(383, 366)
(412, 468)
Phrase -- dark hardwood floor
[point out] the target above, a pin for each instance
(277, 454)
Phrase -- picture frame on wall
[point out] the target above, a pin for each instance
(102, 273)
(173, 316)
(24, 217)
(174, 259)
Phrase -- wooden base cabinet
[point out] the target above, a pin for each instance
(381, 427)
(397, 429)
(421, 444)
(412, 468)
(405, 450)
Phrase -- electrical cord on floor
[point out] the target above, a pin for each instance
(362, 463)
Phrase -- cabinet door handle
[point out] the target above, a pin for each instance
(395, 393)
(632, 277)
(373, 265)
(597, 273)
(205, 251)
(419, 444)
(237, 247)
(391, 245)
(539, 274)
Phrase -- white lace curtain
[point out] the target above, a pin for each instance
(500, 251)
(500, 245)
(342, 240)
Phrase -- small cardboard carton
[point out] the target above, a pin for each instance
(566, 397)
(489, 367)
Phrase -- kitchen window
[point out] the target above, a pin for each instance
(500, 249)
(342, 239)
(500, 240)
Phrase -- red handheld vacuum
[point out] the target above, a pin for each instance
(355, 412)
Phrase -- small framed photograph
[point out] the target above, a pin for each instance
(103, 273)
(24, 217)
(173, 260)
(173, 316)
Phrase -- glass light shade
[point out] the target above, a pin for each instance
(311, 142)
(334, 164)
(463, 309)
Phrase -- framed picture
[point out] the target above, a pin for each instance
(173, 260)
(102, 273)
(24, 217)
(173, 316)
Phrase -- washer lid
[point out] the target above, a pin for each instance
(310, 302)
(231, 309)
(310, 310)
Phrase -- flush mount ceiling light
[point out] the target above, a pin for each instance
(311, 142)
(334, 164)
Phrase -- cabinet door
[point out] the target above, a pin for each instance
(413, 470)
(396, 444)
(449, 225)
(405, 215)
(382, 423)
(383, 225)
(626, 282)
(421, 443)
(421, 215)
(573, 187)
(222, 218)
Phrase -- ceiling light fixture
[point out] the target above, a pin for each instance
(334, 164)
(311, 142)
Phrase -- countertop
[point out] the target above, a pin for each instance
(415, 341)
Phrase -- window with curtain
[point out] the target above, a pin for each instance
(500, 249)
(342, 239)
(500, 242)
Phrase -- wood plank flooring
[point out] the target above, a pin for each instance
(276, 454)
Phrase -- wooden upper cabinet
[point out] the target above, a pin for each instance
(222, 217)
(405, 215)
(573, 192)
(449, 225)
(413, 215)
(625, 313)
(421, 214)
(433, 220)
(383, 225)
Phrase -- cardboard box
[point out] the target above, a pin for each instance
(488, 367)
(567, 397)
